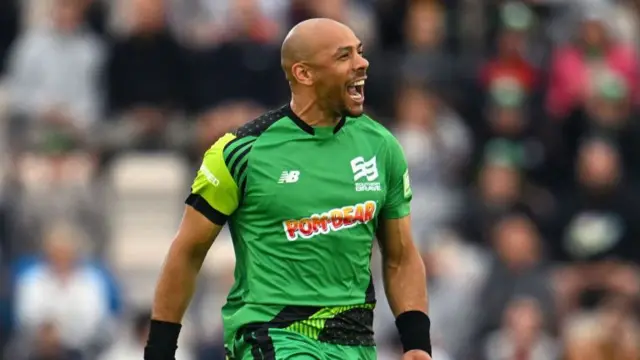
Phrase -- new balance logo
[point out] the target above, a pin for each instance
(364, 169)
(289, 177)
(367, 170)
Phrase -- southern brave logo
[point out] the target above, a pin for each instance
(368, 170)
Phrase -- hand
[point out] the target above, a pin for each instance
(416, 355)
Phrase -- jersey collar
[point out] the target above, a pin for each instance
(306, 127)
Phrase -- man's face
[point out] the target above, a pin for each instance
(594, 33)
(511, 43)
(67, 14)
(425, 25)
(339, 75)
(149, 15)
(61, 255)
(500, 184)
(598, 165)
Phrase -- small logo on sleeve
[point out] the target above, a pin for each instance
(209, 175)
(407, 184)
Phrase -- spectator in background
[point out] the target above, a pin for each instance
(501, 188)
(522, 335)
(222, 119)
(518, 269)
(242, 72)
(425, 58)
(54, 176)
(453, 269)
(204, 24)
(596, 233)
(609, 112)
(508, 121)
(421, 58)
(437, 145)
(146, 75)
(54, 71)
(145, 66)
(131, 347)
(244, 66)
(389, 27)
(249, 18)
(55, 101)
(65, 293)
(355, 14)
(456, 273)
(510, 61)
(574, 66)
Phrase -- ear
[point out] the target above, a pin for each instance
(302, 74)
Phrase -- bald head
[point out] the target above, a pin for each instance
(308, 38)
(324, 63)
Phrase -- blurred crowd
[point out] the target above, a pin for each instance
(518, 119)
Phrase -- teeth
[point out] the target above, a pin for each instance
(359, 83)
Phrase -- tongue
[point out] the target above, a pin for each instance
(352, 91)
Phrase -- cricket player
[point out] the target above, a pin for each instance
(304, 190)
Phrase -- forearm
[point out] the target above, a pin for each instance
(406, 284)
(177, 283)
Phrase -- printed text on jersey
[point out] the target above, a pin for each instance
(332, 220)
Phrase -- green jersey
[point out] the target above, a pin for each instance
(302, 204)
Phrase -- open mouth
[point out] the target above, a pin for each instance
(356, 90)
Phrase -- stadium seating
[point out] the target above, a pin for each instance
(144, 210)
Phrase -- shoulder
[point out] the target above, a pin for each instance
(375, 130)
(232, 149)
(246, 134)
(367, 123)
(239, 143)
(33, 275)
(261, 124)
(36, 34)
(32, 40)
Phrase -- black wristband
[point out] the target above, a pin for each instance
(163, 340)
(413, 327)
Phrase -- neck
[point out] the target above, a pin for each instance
(311, 112)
